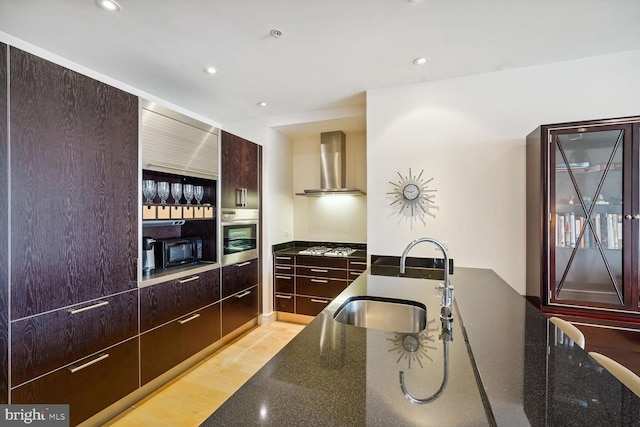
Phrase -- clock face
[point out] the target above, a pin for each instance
(410, 191)
(412, 198)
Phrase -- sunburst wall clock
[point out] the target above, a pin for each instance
(412, 199)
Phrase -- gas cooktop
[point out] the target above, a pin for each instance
(327, 251)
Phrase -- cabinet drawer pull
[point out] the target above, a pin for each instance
(323, 301)
(355, 273)
(89, 363)
(358, 263)
(279, 267)
(284, 277)
(315, 270)
(283, 296)
(244, 294)
(89, 307)
(190, 279)
(189, 319)
(319, 281)
(288, 258)
(243, 264)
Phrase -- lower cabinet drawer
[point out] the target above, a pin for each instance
(46, 342)
(283, 302)
(311, 306)
(87, 386)
(283, 283)
(238, 309)
(326, 288)
(164, 347)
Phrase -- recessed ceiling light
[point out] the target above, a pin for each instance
(420, 61)
(262, 104)
(109, 5)
(210, 70)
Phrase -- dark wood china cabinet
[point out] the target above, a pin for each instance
(583, 218)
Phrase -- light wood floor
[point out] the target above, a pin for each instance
(190, 398)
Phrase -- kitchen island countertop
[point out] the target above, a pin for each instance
(514, 371)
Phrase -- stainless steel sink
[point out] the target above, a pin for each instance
(387, 314)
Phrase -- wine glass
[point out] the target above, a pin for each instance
(176, 192)
(188, 193)
(163, 191)
(198, 192)
(149, 190)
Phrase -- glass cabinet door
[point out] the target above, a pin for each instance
(587, 206)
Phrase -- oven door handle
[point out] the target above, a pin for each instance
(239, 222)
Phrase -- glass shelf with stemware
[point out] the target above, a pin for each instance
(173, 199)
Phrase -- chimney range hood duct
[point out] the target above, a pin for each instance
(333, 167)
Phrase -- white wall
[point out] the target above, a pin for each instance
(329, 218)
(469, 135)
(277, 210)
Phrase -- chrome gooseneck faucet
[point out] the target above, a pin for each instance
(447, 289)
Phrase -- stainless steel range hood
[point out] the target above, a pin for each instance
(333, 167)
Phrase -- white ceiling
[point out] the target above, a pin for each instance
(331, 51)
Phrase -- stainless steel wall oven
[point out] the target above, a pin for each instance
(239, 237)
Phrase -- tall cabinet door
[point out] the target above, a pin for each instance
(4, 229)
(239, 172)
(74, 157)
(592, 207)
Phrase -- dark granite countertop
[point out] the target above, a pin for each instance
(515, 371)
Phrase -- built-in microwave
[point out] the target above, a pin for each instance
(239, 236)
(178, 251)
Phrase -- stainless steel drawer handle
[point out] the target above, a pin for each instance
(243, 264)
(89, 307)
(283, 277)
(315, 270)
(189, 319)
(283, 296)
(358, 263)
(355, 273)
(190, 279)
(279, 267)
(323, 301)
(244, 294)
(89, 363)
(319, 281)
(288, 258)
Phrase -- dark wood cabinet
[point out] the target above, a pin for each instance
(284, 283)
(239, 309)
(178, 318)
(40, 344)
(74, 186)
(306, 284)
(87, 386)
(583, 211)
(238, 277)
(239, 172)
(166, 346)
(311, 306)
(240, 293)
(4, 240)
(167, 301)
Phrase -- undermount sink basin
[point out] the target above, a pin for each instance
(387, 314)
